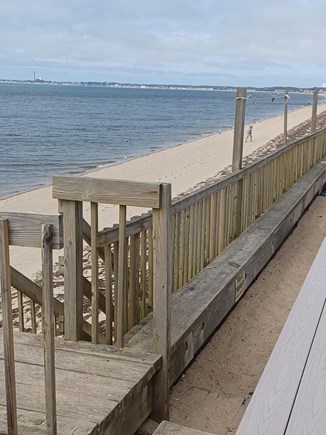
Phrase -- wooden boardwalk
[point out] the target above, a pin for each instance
(96, 384)
(290, 397)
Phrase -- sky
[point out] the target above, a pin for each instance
(196, 42)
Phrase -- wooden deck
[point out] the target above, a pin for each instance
(96, 384)
(290, 397)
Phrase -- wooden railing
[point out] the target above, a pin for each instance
(203, 224)
(136, 265)
(45, 232)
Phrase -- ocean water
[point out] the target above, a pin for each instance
(48, 130)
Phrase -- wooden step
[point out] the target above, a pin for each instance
(168, 428)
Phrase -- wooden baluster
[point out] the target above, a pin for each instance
(122, 276)
(94, 256)
(48, 329)
(108, 293)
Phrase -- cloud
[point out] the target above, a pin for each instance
(199, 41)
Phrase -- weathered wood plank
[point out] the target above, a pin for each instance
(73, 269)
(122, 370)
(32, 423)
(48, 329)
(168, 428)
(122, 284)
(135, 413)
(9, 393)
(25, 229)
(309, 412)
(240, 112)
(162, 288)
(94, 269)
(106, 191)
(271, 405)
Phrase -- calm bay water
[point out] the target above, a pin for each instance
(47, 130)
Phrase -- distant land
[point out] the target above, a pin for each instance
(168, 86)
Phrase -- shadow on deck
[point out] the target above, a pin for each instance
(99, 389)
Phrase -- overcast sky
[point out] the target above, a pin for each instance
(200, 42)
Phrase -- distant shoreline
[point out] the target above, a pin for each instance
(277, 89)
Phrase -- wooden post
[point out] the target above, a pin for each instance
(7, 326)
(121, 300)
(162, 289)
(314, 111)
(240, 112)
(48, 330)
(73, 269)
(286, 99)
(94, 256)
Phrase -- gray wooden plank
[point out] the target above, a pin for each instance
(122, 192)
(126, 371)
(269, 409)
(145, 360)
(98, 386)
(309, 412)
(33, 423)
(25, 229)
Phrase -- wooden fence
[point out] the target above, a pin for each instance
(45, 232)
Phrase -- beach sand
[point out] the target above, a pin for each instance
(185, 166)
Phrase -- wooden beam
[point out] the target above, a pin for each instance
(314, 111)
(7, 327)
(73, 269)
(48, 330)
(34, 292)
(286, 100)
(121, 300)
(25, 229)
(94, 268)
(240, 113)
(162, 294)
(105, 191)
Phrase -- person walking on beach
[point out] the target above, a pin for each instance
(249, 133)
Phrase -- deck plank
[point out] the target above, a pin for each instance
(309, 412)
(96, 385)
(270, 407)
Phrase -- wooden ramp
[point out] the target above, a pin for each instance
(99, 389)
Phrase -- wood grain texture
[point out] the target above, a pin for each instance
(309, 412)
(240, 112)
(199, 307)
(9, 395)
(48, 330)
(106, 191)
(118, 386)
(25, 229)
(73, 269)
(162, 294)
(272, 402)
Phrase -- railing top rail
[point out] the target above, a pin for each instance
(25, 229)
(107, 191)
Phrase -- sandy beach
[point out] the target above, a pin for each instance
(184, 166)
